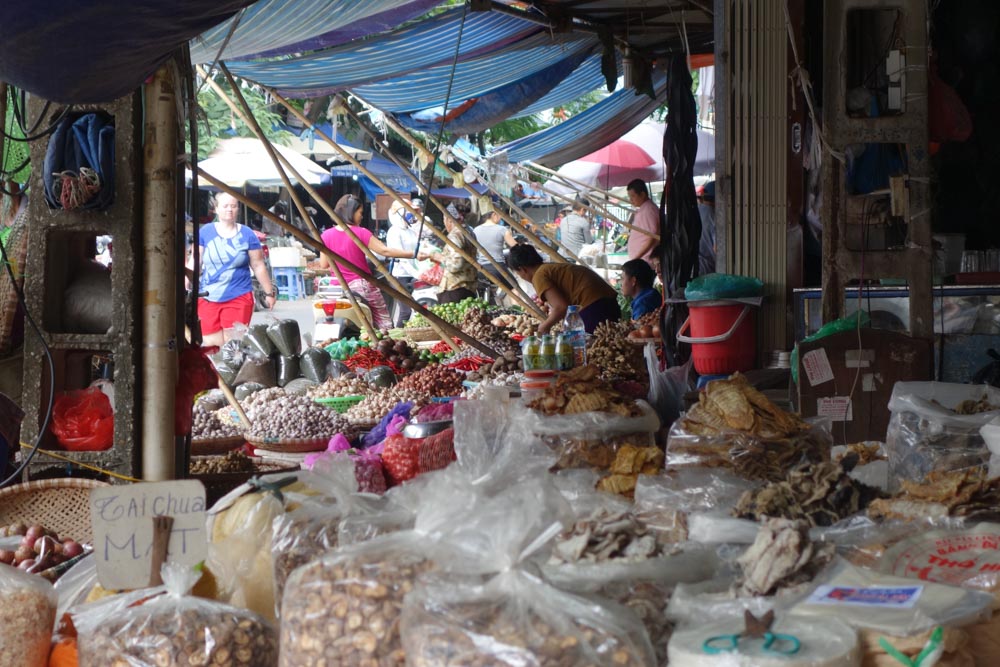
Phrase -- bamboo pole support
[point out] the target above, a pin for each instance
(159, 285)
(321, 248)
(520, 297)
(516, 224)
(246, 114)
(542, 169)
(539, 170)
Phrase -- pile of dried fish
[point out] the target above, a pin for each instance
(629, 463)
(733, 425)
(782, 556)
(972, 406)
(735, 405)
(606, 535)
(580, 390)
(966, 493)
(867, 452)
(820, 494)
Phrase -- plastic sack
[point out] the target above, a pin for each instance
(859, 319)
(226, 372)
(514, 617)
(299, 387)
(231, 353)
(371, 580)
(314, 362)
(256, 368)
(286, 337)
(27, 615)
(723, 286)
(432, 276)
(667, 387)
(589, 439)
(172, 629)
(288, 369)
(930, 604)
(76, 584)
(239, 553)
(246, 390)
(749, 456)
(211, 400)
(665, 503)
(83, 420)
(256, 340)
(926, 434)
(312, 529)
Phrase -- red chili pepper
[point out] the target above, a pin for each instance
(366, 357)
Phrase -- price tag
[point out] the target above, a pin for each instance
(122, 517)
(837, 408)
(817, 367)
(892, 598)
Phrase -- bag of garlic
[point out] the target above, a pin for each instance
(27, 615)
(488, 604)
(343, 608)
(167, 627)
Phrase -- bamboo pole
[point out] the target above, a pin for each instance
(343, 224)
(520, 297)
(606, 213)
(246, 114)
(569, 182)
(516, 224)
(542, 169)
(321, 248)
(159, 286)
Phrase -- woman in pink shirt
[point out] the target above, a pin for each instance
(349, 209)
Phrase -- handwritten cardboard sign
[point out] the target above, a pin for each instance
(122, 518)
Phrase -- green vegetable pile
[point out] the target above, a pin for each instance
(453, 313)
(344, 348)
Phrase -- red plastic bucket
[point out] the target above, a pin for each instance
(723, 336)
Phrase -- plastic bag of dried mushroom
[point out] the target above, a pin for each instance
(489, 606)
(312, 529)
(27, 613)
(167, 627)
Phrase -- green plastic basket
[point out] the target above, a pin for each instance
(340, 403)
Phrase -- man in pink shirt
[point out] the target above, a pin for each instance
(647, 219)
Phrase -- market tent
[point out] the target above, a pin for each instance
(395, 177)
(240, 161)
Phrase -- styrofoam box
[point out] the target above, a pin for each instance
(286, 258)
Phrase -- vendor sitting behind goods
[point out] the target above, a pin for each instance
(563, 284)
(637, 284)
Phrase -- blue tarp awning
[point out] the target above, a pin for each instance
(588, 131)
(422, 45)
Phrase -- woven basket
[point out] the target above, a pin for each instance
(214, 446)
(340, 404)
(297, 445)
(61, 505)
(422, 334)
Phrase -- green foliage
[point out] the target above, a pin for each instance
(217, 121)
(513, 128)
(579, 105)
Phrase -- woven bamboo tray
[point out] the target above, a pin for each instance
(62, 505)
(296, 445)
(214, 446)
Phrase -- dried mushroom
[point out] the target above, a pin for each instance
(344, 610)
(821, 494)
(603, 536)
(782, 556)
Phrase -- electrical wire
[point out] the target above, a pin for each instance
(444, 118)
(44, 426)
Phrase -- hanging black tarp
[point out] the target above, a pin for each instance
(680, 222)
(76, 52)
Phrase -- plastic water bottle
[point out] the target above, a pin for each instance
(575, 331)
